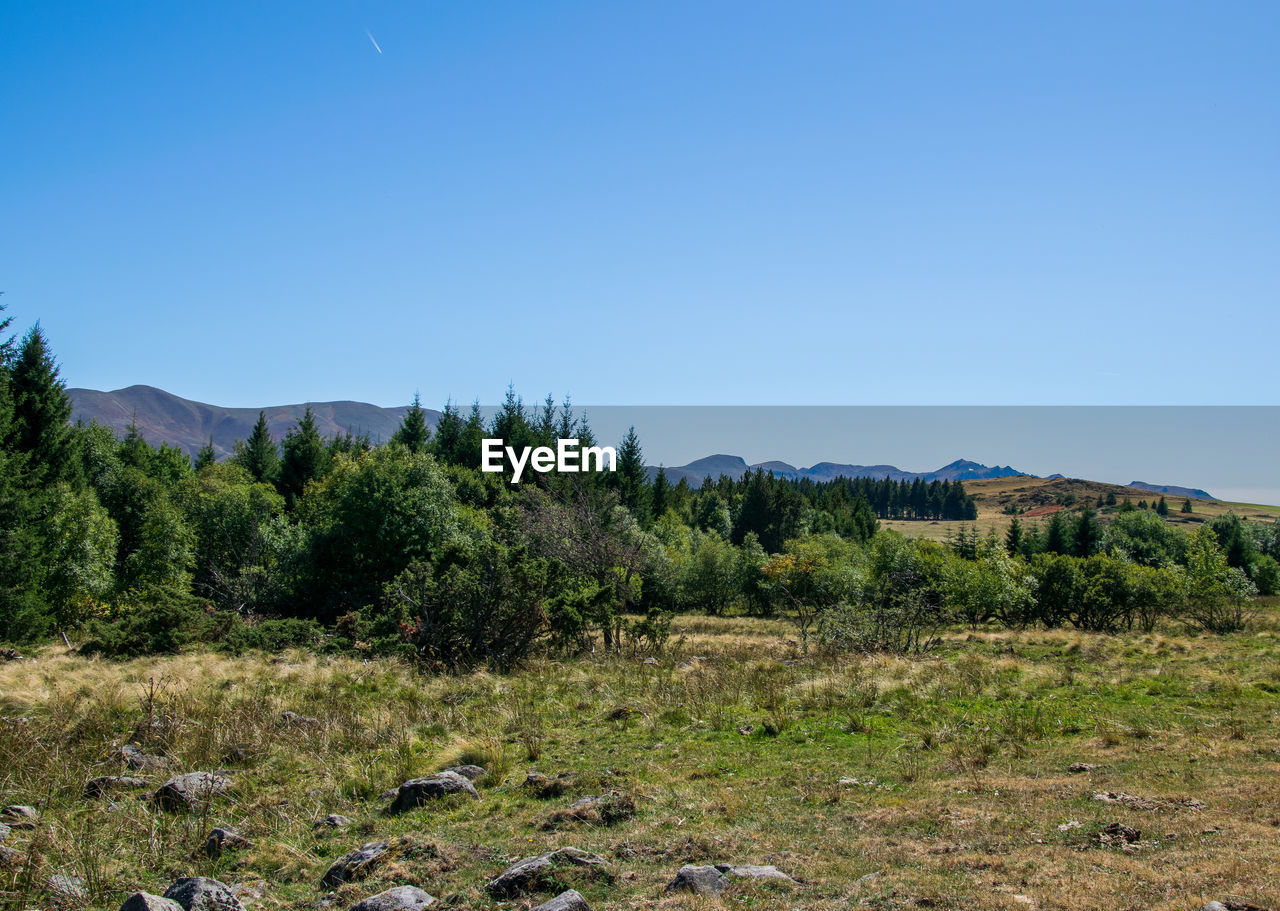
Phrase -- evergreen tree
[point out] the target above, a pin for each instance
(1013, 537)
(631, 480)
(446, 442)
(1088, 536)
(305, 458)
(41, 409)
(1056, 540)
(661, 493)
(258, 455)
(1186, 506)
(1162, 508)
(413, 431)
(206, 456)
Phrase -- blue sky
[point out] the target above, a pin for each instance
(648, 202)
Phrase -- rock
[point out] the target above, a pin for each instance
(419, 791)
(19, 817)
(185, 792)
(469, 772)
(1230, 905)
(145, 901)
(1118, 834)
(66, 891)
(10, 857)
(712, 878)
(221, 839)
(546, 786)
(294, 720)
(140, 761)
(332, 821)
(565, 901)
(9, 654)
(1077, 767)
(544, 872)
(100, 786)
(704, 880)
(401, 898)
(355, 865)
(199, 893)
(4, 833)
(250, 892)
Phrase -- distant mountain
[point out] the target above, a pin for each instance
(734, 466)
(1173, 491)
(164, 417)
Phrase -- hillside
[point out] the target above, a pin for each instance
(164, 417)
(735, 466)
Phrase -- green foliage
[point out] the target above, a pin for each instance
(41, 409)
(1145, 539)
(413, 432)
(259, 455)
(305, 458)
(80, 542)
(1218, 594)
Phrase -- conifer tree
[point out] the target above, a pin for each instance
(1162, 508)
(413, 431)
(661, 493)
(304, 458)
(1088, 536)
(1013, 537)
(1186, 505)
(445, 443)
(41, 409)
(259, 455)
(631, 480)
(206, 456)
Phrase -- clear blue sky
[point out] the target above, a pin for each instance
(648, 202)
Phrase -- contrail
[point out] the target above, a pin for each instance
(375, 43)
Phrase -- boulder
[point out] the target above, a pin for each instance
(5, 831)
(104, 784)
(701, 880)
(19, 816)
(332, 821)
(547, 872)
(185, 792)
(545, 786)
(565, 901)
(355, 865)
(220, 839)
(469, 772)
(141, 761)
(199, 893)
(66, 891)
(1077, 768)
(401, 898)
(419, 791)
(10, 857)
(598, 809)
(753, 871)
(145, 901)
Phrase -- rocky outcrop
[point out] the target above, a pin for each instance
(548, 872)
(419, 791)
(401, 898)
(355, 865)
(194, 789)
(199, 893)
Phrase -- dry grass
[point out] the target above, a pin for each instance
(945, 777)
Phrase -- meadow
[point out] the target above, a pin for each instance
(943, 781)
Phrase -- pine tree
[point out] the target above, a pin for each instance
(631, 480)
(1013, 537)
(1162, 508)
(1055, 541)
(413, 431)
(41, 409)
(661, 493)
(1186, 505)
(445, 443)
(305, 458)
(1088, 537)
(259, 455)
(206, 456)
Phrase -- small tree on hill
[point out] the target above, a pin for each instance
(258, 455)
(413, 431)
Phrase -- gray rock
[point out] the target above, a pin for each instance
(1214, 906)
(4, 833)
(1077, 768)
(543, 873)
(191, 790)
(294, 720)
(139, 761)
(703, 880)
(751, 871)
(469, 772)
(565, 901)
(10, 857)
(66, 891)
(418, 791)
(19, 817)
(220, 839)
(401, 898)
(104, 784)
(145, 901)
(355, 865)
(199, 893)
(332, 821)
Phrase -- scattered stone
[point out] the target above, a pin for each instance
(1230, 905)
(332, 821)
(355, 865)
(220, 839)
(186, 792)
(469, 772)
(545, 872)
(1117, 834)
(571, 900)
(388, 794)
(199, 893)
(66, 891)
(294, 720)
(102, 785)
(419, 791)
(10, 857)
(599, 810)
(145, 901)
(138, 760)
(5, 831)
(19, 817)
(868, 878)
(649, 662)
(401, 898)
(700, 880)
(1078, 767)
(236, 755)
(249, 893)
(1069, 825)
(752, 871)
(1149, 803)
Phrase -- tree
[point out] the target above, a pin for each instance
(305, 458)
(1186, 506)
(80, 553)
(41, 409)
(206, 456)
(413, 432)
(1162, 508)
(258, 455)
(1088, 536)
(631, 481)
(661, 492)
(1013, 537)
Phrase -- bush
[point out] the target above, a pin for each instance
(162, 624)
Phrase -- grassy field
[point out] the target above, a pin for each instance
(878, 782)
(992, 496)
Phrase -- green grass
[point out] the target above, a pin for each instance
(733, 746)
